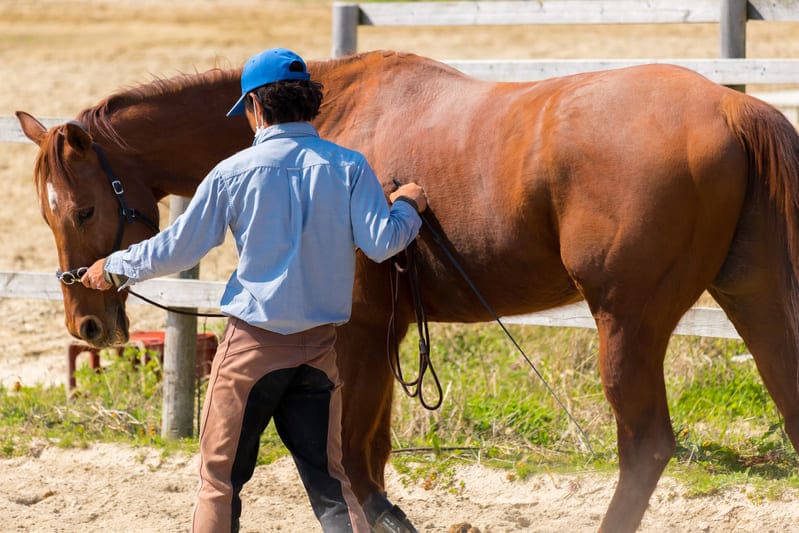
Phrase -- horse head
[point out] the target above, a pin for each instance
(91, 214)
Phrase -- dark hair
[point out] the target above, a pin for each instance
(288, 101)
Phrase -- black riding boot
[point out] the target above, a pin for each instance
(385, 517)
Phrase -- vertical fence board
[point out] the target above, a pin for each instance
(180, 355)
(732, 32)
(345, 29)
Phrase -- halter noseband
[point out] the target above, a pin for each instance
(126, 214)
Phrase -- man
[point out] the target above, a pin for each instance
(298, 206)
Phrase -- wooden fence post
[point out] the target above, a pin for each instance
(732, 30)
(180, 355)
(345, 29)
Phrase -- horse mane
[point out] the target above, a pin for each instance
(98, 117)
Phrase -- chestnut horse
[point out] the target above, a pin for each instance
(634, 189)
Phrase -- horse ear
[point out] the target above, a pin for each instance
(32, 128)
(78, 138)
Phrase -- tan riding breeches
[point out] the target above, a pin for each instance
(258, 375)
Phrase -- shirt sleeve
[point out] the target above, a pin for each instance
(181, 245)
(379, 231)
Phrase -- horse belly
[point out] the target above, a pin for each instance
(509, 251)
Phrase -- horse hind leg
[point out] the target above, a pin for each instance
(760, 306)
(631, 366)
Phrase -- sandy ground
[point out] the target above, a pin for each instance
(114, 488)
(57, 57)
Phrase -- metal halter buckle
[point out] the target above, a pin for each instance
(71, 276)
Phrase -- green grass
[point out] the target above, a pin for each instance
(122, 403)
(495, 411)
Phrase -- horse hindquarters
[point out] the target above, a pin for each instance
(635, 315)
(758, 287)
(643, 234)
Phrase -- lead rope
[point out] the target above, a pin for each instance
(174, 309)
(441, 244)
(413, 388)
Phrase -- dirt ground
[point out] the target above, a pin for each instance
(58, 56)
(119, 489)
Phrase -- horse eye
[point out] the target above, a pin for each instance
(84, 215)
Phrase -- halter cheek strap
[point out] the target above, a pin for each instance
(126, 213)
(130, 215)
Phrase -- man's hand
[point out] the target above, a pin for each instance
(412, 192)
(94, 278)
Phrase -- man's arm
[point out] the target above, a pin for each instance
(380, 230)
(178, 247)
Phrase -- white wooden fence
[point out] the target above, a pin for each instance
(731, 15)
(701, 321)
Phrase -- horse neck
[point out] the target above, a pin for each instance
(170, 133)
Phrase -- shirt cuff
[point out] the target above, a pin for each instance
(115, 264)
(408, 201)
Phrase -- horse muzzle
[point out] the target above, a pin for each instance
(101, 331)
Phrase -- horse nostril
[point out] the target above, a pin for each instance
(91, 329)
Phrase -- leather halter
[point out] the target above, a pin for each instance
(126, 213)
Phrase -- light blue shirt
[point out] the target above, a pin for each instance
(298, 207)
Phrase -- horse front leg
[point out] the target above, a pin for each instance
(631, 367)
(367, 396)
(366, 422)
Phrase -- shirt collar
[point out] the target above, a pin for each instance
(286, 129)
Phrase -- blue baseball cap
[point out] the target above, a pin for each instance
(268, 67)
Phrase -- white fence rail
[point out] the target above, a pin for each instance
(563, 12)
(731, 15)
(700, 321)
(722, 71)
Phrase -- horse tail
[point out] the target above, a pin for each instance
(772, 146)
